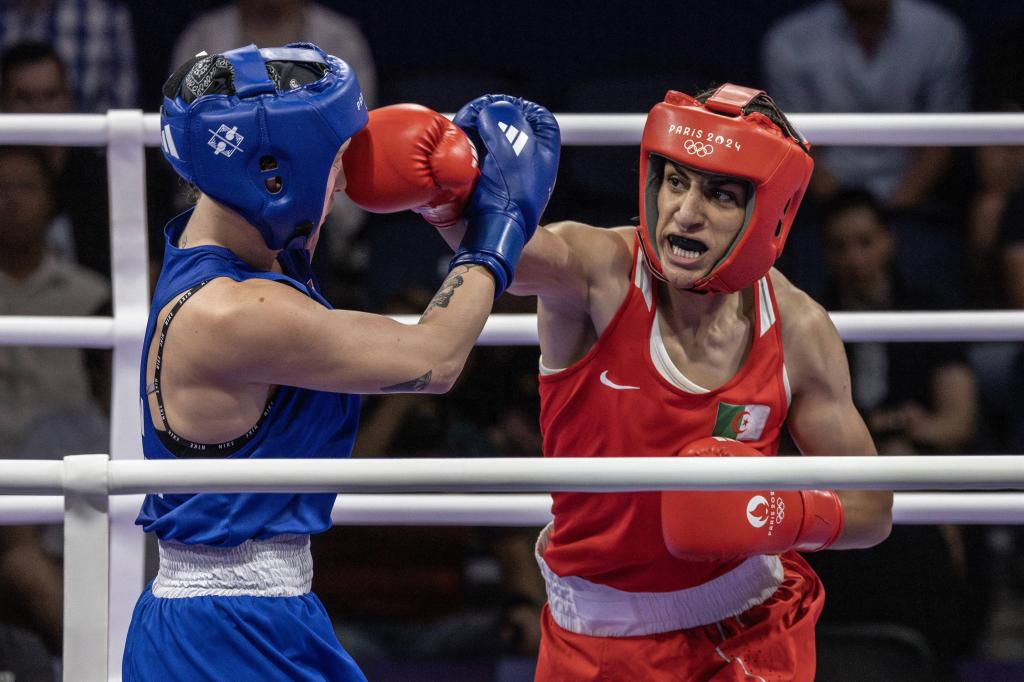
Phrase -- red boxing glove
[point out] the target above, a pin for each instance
(410, 157)
(720, 525)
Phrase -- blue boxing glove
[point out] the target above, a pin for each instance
(519, 145)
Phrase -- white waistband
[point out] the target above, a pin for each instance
(587, 608)
(279, 567)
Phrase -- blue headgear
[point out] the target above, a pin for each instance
(261, 148)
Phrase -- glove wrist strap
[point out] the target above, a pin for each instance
(494, 240)
(822, 522)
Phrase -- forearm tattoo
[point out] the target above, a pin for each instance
(444, 295)
(412, 386)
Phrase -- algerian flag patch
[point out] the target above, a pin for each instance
(741, 422)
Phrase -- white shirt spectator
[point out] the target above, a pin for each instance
(814, 63)
(36, 380)
(220, 30)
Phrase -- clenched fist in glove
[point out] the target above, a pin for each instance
(727, 524)
(410, 157)
(519, 145)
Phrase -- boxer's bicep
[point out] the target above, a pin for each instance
(553, 265)
(822, 418)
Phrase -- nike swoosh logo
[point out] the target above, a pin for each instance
(618, 387)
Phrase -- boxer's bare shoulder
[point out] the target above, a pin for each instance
(810, 340)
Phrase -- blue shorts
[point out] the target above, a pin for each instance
(234, 638)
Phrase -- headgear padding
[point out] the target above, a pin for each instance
(258, 130)
(717, 137)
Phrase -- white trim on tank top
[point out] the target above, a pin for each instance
(659, 354)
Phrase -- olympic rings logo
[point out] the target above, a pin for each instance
(761, 512)
(698, 148)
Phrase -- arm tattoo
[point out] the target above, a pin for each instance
(412, 386)
(444, 295)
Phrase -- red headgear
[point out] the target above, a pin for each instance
(717, 137)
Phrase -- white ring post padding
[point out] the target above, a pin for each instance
(535, 474)
(86, 593)
(129, 255)
(617, 129)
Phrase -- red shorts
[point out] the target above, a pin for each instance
(771, 642)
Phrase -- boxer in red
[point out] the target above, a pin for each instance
(677, 337)
(655, 339)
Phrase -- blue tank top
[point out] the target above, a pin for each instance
(299, 422)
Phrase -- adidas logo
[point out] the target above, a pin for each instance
(167, 142)
(516, 137)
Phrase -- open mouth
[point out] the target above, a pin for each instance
(684, 247)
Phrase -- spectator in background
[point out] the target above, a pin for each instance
(1000, 174)
(37, 381)
(33, 80)
(22, 657)
(278, 22)
(34, 282)
(999, 169)
(914, 397)
(31, 557)
(94, 39)
(871, 56)
(342, 257)
(1010, 265)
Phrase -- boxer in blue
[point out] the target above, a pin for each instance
(244, 358)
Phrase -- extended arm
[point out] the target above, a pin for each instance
(269, 333)
(406, 157)
(822, 417)
(553, 264)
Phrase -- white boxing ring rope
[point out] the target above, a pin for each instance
(963, 130)
(97, 498)
(516, 509)
(521, 330)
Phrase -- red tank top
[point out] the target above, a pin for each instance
(615, 402)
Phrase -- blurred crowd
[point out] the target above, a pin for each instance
(883, 229)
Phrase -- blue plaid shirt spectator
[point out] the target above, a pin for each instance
(94, 38)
